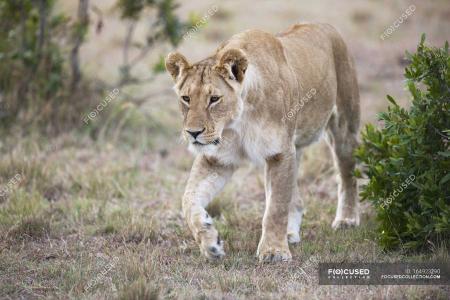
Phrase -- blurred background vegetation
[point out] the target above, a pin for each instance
(42, 85)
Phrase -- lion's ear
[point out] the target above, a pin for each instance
(176, 64)
(233, 64)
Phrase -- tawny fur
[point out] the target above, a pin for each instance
(273, 95)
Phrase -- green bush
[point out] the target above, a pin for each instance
(34, 76)
(407, 161)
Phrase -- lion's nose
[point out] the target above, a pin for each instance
(195, 133)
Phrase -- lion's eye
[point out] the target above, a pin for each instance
(186, 99)
(214, 99)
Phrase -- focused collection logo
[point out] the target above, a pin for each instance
(348, 273)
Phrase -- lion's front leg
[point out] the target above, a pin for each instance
(205, 181)
(280, 180)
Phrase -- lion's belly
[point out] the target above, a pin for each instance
(310, 125)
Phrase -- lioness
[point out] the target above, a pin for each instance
(265, 97)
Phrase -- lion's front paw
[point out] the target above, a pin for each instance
(212, 250)
(268, 253)
(210, 243)
(274, 255)
(345, 223)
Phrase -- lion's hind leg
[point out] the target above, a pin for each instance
(342, 132)
(343, 143)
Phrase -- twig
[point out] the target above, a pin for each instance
(126, 46)
(438, 132)
(42, 28)
(99, 14)
(83, 19)
(144, 51)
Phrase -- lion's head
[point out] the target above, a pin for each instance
(209, 93)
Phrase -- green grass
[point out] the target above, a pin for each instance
(85, 206)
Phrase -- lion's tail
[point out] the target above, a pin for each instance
(347, 102)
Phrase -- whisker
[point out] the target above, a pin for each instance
(181, 138)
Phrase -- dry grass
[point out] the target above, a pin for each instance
(103, 203)
(121, 208)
